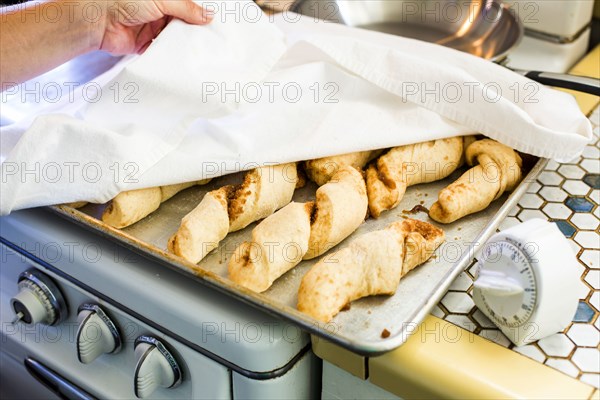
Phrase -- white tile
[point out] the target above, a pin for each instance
(592, 166)
(482, 319)
(508, 222)
(591, 379)
(585, 221)
(564, 366)
(585, 335)
(597, 323)
(462, 282)
(534, 187)
(571, 171)
(437, 312)
(552, 166)
(577, 188)
(595, 196)
(588, 360)
(457, 302)
(576, 248)
(575, 160)
(473, 270)
(557, 345)
(495, 336)
(461, 320)
(593, 278)
(557, 211)
(582, 290)
(552, 193)
(526, 215)
(595, 300)
(581, 269)
(531, 351)
(591, 152)
(591, 258)
(550, 178)
(531, 200)
(587, 239)
(514, 211)
(596, 212)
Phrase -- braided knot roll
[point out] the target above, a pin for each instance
(498, 170)
(404, 166)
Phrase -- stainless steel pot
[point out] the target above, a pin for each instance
(486, 28)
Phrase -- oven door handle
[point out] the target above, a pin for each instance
(56, 383)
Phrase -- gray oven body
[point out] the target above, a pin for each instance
(225, 349)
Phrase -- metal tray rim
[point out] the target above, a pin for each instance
(262, 302)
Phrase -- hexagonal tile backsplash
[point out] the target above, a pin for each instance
(566, 194)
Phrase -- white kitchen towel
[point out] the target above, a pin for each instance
(251, 89)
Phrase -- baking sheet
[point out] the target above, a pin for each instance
(358, 329)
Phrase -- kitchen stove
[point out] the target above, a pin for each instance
(222, 348)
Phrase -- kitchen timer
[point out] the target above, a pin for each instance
(527, 281)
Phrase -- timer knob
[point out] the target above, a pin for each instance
(527, 281)
(155, 367)
(38, 300)
(96, 335)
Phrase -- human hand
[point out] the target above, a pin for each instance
(131, 25)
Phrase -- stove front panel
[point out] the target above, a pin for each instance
(110, 375)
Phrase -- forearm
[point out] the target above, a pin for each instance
(38, 36)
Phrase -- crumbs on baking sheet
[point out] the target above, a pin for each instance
(385, 334)
(416, 209)
(368, 311)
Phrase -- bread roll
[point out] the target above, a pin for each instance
(277, 246)
(263, 191)
(341, 206)
(300, 231)
(498, 170)
(404, 166)
(201, 230)
(132, 206)
(371, 264)
(321, 170)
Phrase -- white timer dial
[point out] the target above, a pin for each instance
(527, 281)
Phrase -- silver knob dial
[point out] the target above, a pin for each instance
(155, 366)
(38, 300)
(96, 334)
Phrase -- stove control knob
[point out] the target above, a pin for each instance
(38, 300)
(96, 335)
(155, 367)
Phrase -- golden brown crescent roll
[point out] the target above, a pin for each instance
(498, 170)
(321, 170)
(202, 229)
(372, 264)
(229, 209)
(131, 206)
(300, 231)
(404, 166)
(277, 246)
(340, 208)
